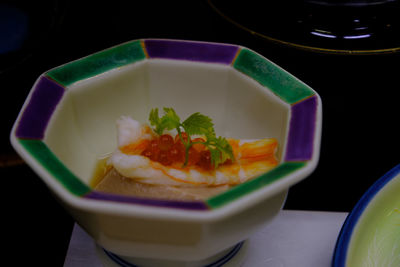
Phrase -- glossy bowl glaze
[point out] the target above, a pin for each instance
(68, 122)
(370, 236)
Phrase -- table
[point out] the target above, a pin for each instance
(295, 238)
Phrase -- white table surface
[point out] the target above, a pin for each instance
(294, 238)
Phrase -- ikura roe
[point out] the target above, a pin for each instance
(177, 153)
(168, 150)
(165, 142)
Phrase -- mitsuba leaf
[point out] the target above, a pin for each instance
(225, 148)
(170, 120)
(155, 121)
(215, 157)
(197, 124)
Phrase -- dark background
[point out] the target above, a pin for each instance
(360, 137)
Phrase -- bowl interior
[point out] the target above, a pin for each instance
(83, 128)
(68, 120)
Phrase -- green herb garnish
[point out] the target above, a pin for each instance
(195, 124)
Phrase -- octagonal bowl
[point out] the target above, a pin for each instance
(68, 122)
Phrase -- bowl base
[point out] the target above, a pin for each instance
(232, 256)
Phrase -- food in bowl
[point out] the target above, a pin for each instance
(67, 123)
(191, 163)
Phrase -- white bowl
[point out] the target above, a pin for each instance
(68, 122)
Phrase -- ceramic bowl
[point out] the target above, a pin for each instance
(68, 122)
(370, 236)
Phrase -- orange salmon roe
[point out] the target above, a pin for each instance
(170, 151)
